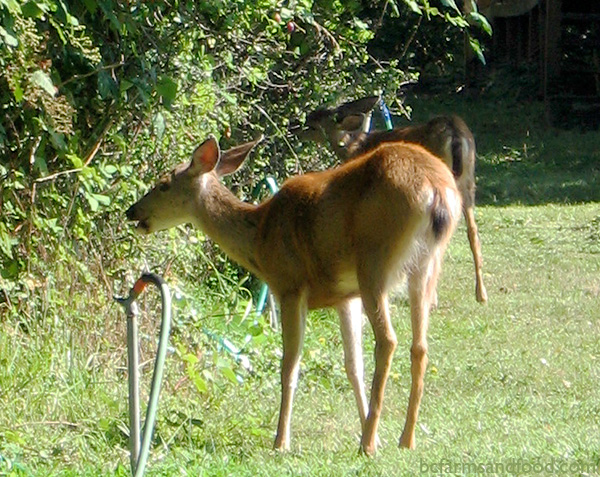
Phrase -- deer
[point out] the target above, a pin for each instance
(335, 238)
(345, 129)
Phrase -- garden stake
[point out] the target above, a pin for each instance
(139, 450)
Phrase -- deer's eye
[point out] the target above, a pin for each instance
(164, 186)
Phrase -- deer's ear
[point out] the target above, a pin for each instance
(205, 157)
(232, 159)
(353, 122)
(363, 105)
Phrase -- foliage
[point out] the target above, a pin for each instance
(99, 96)
(431, 40)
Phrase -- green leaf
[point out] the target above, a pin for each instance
(32, 10)
(18, 185)
(10, 271)
(457, 21)
(107, 87)
(124, 85)
(41, 79)
(190, 358)
(160, 125)
(92, 201)
(12, 5)
(120, 141)
(483, 22)
(91, 5)
(71, 20)
(59, 28)
(200, 384)
(286, 14)
(52, 224)
(9, 38)
(414, 6)
(102, 199)
(75, 160)
(14, 437)
(230, 98)
(476, 47)
(6, 242)
(451, 4)
(256, 329)
(229, 374)
(432, 12)
(18, 93)
(58, 139)
(167, 89)
(41, 165)
(360, 24)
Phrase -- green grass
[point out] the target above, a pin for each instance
(513, 383)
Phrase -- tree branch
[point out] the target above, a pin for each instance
(91, 73)
(266, 115)
(88, 159)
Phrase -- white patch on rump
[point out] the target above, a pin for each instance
(454, 202)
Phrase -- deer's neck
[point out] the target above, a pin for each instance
(357, 144)
(228, 221)
(363, 142)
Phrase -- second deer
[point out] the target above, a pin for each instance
(345, 129)
(328, 239)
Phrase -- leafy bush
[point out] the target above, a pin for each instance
(100, 96)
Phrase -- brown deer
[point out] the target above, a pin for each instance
(447, 137)
(328, 239)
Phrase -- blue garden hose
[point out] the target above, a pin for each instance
(140, 449)
(385, 112)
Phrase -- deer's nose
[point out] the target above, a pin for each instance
(130, 213)
(295, 126)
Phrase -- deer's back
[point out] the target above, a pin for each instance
(329, 221)
(447, 137)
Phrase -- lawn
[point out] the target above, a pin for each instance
(511, 387)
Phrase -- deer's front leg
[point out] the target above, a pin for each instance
(293, 322)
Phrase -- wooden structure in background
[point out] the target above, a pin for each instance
(559, 38)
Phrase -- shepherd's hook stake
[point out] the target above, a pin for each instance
(139, 450)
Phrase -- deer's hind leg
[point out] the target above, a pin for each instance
(473, 234)
(373, 288)
(468, 196)
(422, 285)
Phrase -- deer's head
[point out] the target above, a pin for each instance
(338, 126)
(174, 200)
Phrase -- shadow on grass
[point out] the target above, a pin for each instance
(556, 173)
(520, 159)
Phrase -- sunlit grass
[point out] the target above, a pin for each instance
(513, 381)
(509, 385)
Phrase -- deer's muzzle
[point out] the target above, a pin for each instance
(142, 224)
